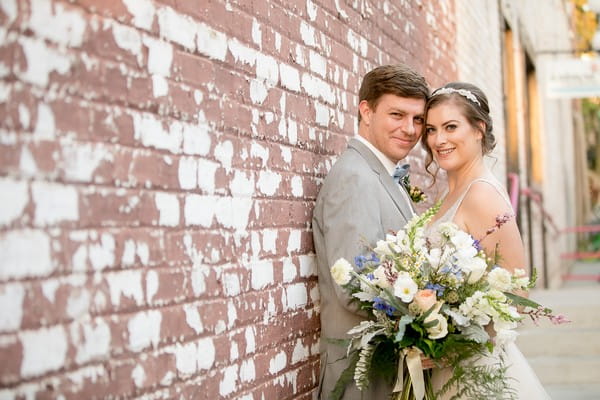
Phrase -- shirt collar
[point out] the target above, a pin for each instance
(388, 164)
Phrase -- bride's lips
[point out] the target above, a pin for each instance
(442, 153)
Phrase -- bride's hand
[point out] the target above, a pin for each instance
(427, 363)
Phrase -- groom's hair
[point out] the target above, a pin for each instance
(397, 79)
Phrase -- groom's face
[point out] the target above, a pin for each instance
(394, 125)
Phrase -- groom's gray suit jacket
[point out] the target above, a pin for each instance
(358, 203)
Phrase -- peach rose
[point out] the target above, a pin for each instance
(425, 299)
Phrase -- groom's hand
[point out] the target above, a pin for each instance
(427, 363)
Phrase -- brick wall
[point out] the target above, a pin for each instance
(158, 165)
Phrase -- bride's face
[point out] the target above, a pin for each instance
(453, 141)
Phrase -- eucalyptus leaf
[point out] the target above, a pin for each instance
(405, 320)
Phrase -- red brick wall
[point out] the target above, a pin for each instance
(158, 165)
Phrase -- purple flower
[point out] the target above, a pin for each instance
(439, 289)
(380, 304)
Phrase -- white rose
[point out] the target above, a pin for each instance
(381, 279)
(405, 288)
(440, 329)
(461, 240)
(382, 247)
(500, 279)
(474, 268)
(341, 272)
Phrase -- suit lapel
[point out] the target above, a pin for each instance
(391, 187)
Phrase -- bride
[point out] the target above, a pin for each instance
(458, 133)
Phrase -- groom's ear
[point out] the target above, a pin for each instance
(365, 111)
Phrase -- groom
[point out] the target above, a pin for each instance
(360, 200)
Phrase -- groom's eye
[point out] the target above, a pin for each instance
(419, 120)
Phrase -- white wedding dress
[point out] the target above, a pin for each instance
(521, 376)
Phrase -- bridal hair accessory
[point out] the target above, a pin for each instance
(463, 92)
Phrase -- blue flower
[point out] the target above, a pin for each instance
(439, 289)
(371, 277)
(379, 304)
(477, 245)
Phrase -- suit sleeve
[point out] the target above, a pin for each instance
(351, 220)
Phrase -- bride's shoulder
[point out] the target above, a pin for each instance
(484, 198)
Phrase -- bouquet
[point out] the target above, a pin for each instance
(433, 297)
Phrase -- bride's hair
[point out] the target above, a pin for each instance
(474, 105)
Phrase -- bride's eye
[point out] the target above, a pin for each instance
(450, 127)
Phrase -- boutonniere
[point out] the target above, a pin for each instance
(414, 192)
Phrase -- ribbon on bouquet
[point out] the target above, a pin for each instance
(415, 371)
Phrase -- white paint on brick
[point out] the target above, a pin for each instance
(318, 64)
(231, 284)
(79, 161)
(238, 212)
(160, 86)
(196, 138)
(102, 254)
(224, 154)
(258, 91)
(294, 241)
(128, 39)
(199, 210)
(206, 353)
(341, 117)
(127, 283)
(257, 150)
(234, 353)
(128, 257)
(267, 69)
(144, 330)
(241, 52)
(315, 295)
(9, 7)
(297, 188)
(151, 285)
(192, 317)
(289, 270)
(206, 175)
(231, 315)
(96, 341)
(256, 33)
(167, 205)
(78, 303)
(143, 252)
(255, 243)
(300, 352)
(228, 384)
(247, 371)
(186, 358)
(321, 114)
(292, 131)
(11, 302)
(18, 261)
(167, 380)
(278, 362)
(296, 296)
(27, 163)
(249, 335)
(307, 33)
(198, 96)
(308, 266)
(277, 41)
(160, 56)
(341, 12)
(45, 128)
(15, 197)
(138, 375)
(199, 272)
(211, 43)
(142, 12)
(268, 182)
(24, 116)
(269, 240)
(41, 61)
(311, 10)
(177, 28)
(188, 173)
(49, 287)
(290, 77)
(40, 358)
(56, 24)
(261, 274)
(241, 184)
(150, 131)
(318, 88)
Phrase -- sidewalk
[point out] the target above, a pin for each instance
(566, 357)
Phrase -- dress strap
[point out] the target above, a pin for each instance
(452, 211)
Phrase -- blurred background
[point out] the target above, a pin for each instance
(159, 161)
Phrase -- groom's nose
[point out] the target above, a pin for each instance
(409, 127)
